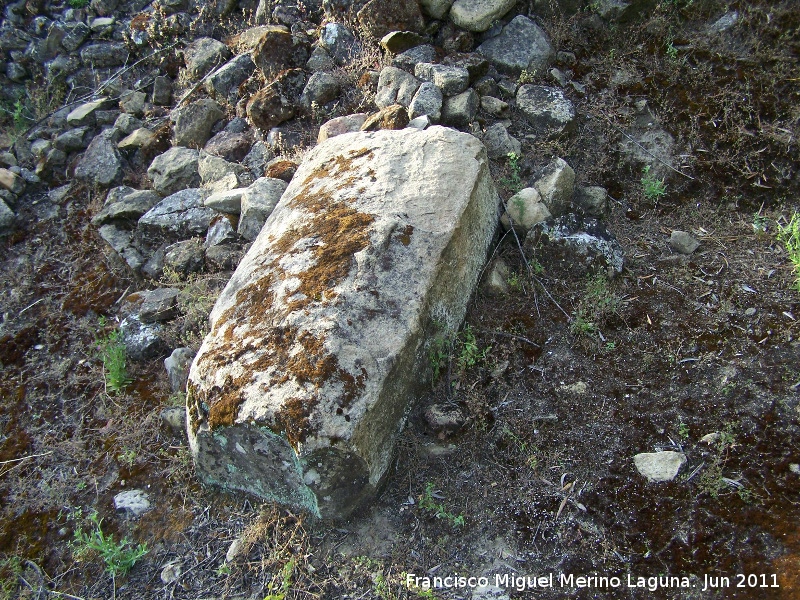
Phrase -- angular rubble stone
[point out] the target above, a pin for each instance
(274, 104)
(101, 164)
(395, 86)
(277, 51)
(162, 90)
(556, 184)
(129, 207)
(460, 110)
(193, 122)
(179, 215)
(328, 316)
(451, 80)
(12, 182)
(409, 59)
(445, 419)
(139, 138)
(134, 502)
(258, 157)
(391, 117)
(85, 113)
(582, 245)
(396, 42)
(427, 101)
(133, 103)
(230, 145)
(281, 168)
(320, 60)
(522, 45)
(203, 55)
(478, 15)
(228, 201)
(174, 420)
(340, 125)
(126, 123)
(220, 232)
(257, 203)
(219, 175)
(339, 41)
(495, 106)
(659, 466)
(547, 109)
(592, 200)
(224, 83)
(223, 257)
(497, 277)
(435, 8)
(7, 219)
(724, 23)
(185, 257)
(379, 17)
(526, 208)
(174, 170)
(177, 365)
(104, 54)
(121, 241)
(321, 88)
(158, 305)
(683, 242)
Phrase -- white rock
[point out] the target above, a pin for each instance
(135, 502)
(527, 209)
(478, 15)
(659, 466)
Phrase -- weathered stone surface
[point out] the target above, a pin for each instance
(257, 203)
(277, 51)
(379, 17)
(193, 122)
(142, 340)
(339, 41)
(220, 175)
(133, 502)
(495, 106)
(391, 117)
(179, 215)
(177, 365)
(395, 86)
(435, 8)
(230, 145)
(174, 170)
(101, 164)
(526, 208)
(220, 232)
(460, 110)
(659, 466)
(133, 103)
(130, 206)
(185, 257)
(683, 242)
(320, 60)
(396, 42)
(121, 241)
(162, 90)
(556, 184)
(592, 200)
(321, 88)
(274, 104)
(85, 113)
(126, 123)
(228, 201)
(379, 236)
(7, 219)
(223, 83)
(104, 54)
(478, 15)
(546, 108)
(409, 59)
(451, 80)
(140, 138)
(11, 181)
(522, 45)
(204, 54)
(157, 305)
(340, 125)
(427, 101)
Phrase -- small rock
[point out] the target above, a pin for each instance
(177, 365)
(133, 103)
(128, 207)
(320, 60)
(478, 15)
(435, 8)
(158, 305)
(451, 80)
(750, 312)
(270, 106)
(497, 279)
(162, 91)
(221, 231)
(339, 42)
(495, 106)
(126, 123)
(499, 143)
(84, 115)
(521, 46)
(235, 549)
(185, 257)
(101, 164)
(682, 242)
(659, 466)
(710, 438)
(396, 42)
(7, 219)
(391, 117)
(341, 125)
(224, 83)
(281, 168)
(258, 157)
(231, 146)
(460, 110)
(135, 502)
(122, 243)
(142, 340)
(224, 257)
(724, 23)
(526, 208)
(193, 122)
(229, 201)
(547, 109)
(137, 139)
(427, 101)
(104, 54)
(12, 182)
(174, 170)
(203, 55)
(378, 17)
(556, 184)
(421, 122)
(794, 468)
(179, 215)
(409, 59)
(395, 86)
(170, 573)
(218, 174)
(444, 419)
(579, 388)
(257, 203)
(592, 200)
(321, 88)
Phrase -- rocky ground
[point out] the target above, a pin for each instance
(145, 144)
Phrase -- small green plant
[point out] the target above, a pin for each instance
(79, 3)
(683, 430)
(653, 188)
(127, 457)
(470, 354)
(789, 235)
(119, 557)
(10, 571)
(514, 180)
(514, 282)
(279, 587)
(438, 355)
(672, 51)
(428, 503)
(527, 77)
(112, 353)
(760, 223)
(595, 307)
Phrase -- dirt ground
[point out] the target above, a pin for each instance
(541, 477)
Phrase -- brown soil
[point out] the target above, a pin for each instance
(543, 473)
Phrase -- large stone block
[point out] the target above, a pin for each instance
(319, 342)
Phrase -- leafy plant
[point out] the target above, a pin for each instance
(10, 570)
(112, 353)
(279, 590)
(470, 354)
(119, 557)
(672, 51)
(789, 235)
(514, 180)
(428, 502)
(438, 355)
(595, 307)
(653, 188)
(526, 77)
(79, 3)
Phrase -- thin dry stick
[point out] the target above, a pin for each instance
(510, 335)
(13, 460)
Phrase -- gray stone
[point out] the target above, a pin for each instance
(435, 8)
(395, 86)
(271, 106)
(495, 106)
(427, 101)
(228, 201)
(592, 200)
(133, 103)
(321, 88)
(478, 15)
(174, 170)
(127, 123)
(496, 281)
(659, 466)
(223, 257)
(320, 60)
(101, 164)
(220, 232)
(460, 110)
(219, 175)
(104, 54)
(134, 502)
(193, 122)
(451, 80)
(162, 90)
(224, 83)
(522, 45)
(308, 412)
(278, 50)
(139, 138)
(683, 242)
(409, 59)
(258, 202)
(179, 215)
(203, 55)
(444, 419)
(101, 24)
(174, 420)
(16, 72)
(526, 209)
(559, 77)
(339, 42)
(577, 244)
(121, 241)
(340, 125)
(128, 208)
(499, 143)
(158, 305)
(724, 23)
(420, 122)
(556, 185)
(230, 145)
(258, 157)
(396, 42)
(185, 257)
(7, 219)
(11, 181)
(547, 109)
(85, 114)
